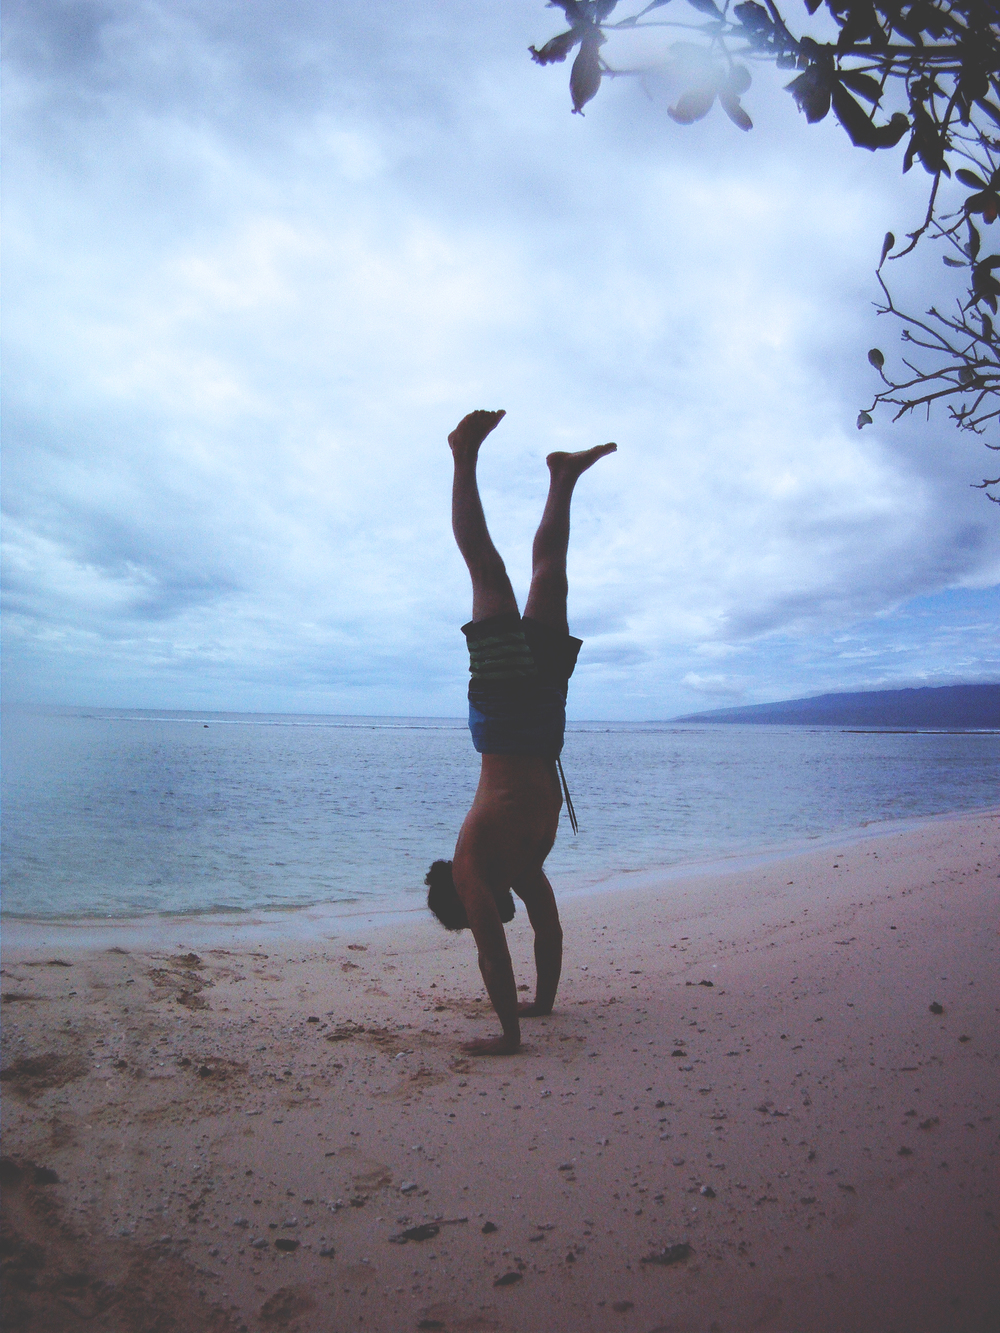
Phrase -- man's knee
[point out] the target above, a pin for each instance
(550, 572)
(488, 568)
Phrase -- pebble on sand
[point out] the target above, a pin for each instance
(426, 1232)
(672, 1254)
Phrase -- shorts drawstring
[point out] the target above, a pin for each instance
(569, 800)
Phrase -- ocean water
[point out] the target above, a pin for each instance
(111, 813)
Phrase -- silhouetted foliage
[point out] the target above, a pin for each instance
(923, 71)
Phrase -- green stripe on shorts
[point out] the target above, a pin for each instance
(504, 656)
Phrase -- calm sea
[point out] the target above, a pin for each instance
(111, 813)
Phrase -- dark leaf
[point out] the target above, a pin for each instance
(974, 240)
(812, 5)
(863, 84)
(991, 110)
(887, 136)
(811, 91)
(864, 419)
(984, 285)
(558, 48)
(973, 84)
(861, 24)
(952, 263)
(731, 106)
(970, 178)
(887, 245)
(859, 128)
(928, 142)
(966, 375)
(706, 7)
(753, 17)
(987, 326)
(992, 262)
(585, 77)
(987, 202)
(876, 358)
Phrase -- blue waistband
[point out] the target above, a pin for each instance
(530, 721)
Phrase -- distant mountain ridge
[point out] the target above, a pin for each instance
(975, 706)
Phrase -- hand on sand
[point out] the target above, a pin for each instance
(492, 1046)
(474, 428)
(526, 1010)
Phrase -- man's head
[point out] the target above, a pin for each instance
(444, 902)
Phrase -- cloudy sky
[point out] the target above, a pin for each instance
(261, 255)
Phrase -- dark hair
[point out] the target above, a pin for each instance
(444, 902)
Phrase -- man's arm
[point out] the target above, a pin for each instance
(494, 962)
(536, 893)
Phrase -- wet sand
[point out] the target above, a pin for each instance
(768, 1099)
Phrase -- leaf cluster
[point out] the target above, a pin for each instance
(951, 358)
(943, 56)
(926, 72)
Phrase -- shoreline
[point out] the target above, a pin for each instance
(766, 1100)
(204, 929)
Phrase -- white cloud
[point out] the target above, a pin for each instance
(262, 261)
(729, 687)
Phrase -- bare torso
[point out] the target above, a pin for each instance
(512, 824)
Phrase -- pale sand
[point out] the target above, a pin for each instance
(824, 1143)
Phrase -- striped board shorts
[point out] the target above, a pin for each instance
(519, 672)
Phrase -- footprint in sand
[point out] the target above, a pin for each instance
(286, 1304)
(33, 1074)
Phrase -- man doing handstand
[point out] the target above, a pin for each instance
(520, 668)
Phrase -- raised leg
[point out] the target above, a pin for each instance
(547, 595)
(492, 593)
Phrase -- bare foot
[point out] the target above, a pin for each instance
(492, 1046)
(470, 432)
(572, 465)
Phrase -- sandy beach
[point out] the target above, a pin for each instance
(767, 1100)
